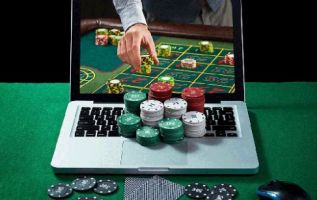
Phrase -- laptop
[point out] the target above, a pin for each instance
(97, 148)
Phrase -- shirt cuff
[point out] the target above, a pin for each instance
(131, 14)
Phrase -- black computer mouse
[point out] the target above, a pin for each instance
(280, 190)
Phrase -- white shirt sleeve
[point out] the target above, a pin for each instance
(130, 12)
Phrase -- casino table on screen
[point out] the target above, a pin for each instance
(100, 63)
(283, 120)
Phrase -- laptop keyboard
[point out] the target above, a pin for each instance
(102, 122)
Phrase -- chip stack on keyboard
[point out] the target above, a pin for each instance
(152, 111)
(194, 124)
(195, 98)
(160, 91)
(171, 130)
(175, 108)
(133, 100)
(128, 124)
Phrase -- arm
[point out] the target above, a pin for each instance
(137, 33)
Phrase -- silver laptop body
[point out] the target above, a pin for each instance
(119, 155)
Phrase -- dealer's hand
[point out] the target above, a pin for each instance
(129, 46)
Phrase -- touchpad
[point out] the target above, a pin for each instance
(162, 154)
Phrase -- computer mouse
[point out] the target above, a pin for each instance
(280, 190)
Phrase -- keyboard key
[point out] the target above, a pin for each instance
(210, 135)
(220, 133)
(107, 127)
(91, 133)
(88, 122)
(86, 127)
(86, 118)
(102, 134)
(80, 133)
(102, 122)
(232, 134)
(223, 128)
(85, 108)
(107, 108)
(227, 108)
(208, 128)
(117, 108)
(112, 122)
(113, 134)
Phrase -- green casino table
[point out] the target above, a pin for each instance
(283, 117)
(100, 63)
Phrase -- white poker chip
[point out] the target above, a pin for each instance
(193, 117)
(151, 106)
(175, 104)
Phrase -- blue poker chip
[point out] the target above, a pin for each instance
(83, 184)
(59, 191)
(88, 198)
(197, 190)
(105, 187)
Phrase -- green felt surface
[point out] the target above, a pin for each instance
(283, 117)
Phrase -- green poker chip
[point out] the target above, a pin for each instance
(171, 130)
(128, 124)
(147, 136)
(132, 101)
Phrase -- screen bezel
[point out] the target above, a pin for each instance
(118, 98)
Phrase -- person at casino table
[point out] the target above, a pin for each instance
(207, 12)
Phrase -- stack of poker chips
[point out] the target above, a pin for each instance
(206, 47)
(115, 86)
(101, 37)
(147, 136)
(195, 98)
(194, 124)
(175, 108)
(133, 100)
(152, 111)
(115, 36)
(146, 65)
(188, 63)
(164, 50)
(172, 130)
(228, 60)
(128, 124)
(160, 91)
(167, 79)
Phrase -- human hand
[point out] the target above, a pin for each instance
(129, 47)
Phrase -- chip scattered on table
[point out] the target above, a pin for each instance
(206, 47)
(164, 50)
(115, 86)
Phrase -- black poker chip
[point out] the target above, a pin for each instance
(105, 187)
(83, 184)
(59, 191)
(88, 198)
(225, 189)
(197, 190)
(215, 196)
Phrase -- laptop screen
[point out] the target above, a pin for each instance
(193, 49)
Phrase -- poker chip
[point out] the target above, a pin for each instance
(114, 32)
(167, 79)
(59, 191)
(147, 136)
(215, 196)
(133, 100)
(197, 190)
(115, 86)
(206, 47)
(195, 98)
(188, 63)
(128, 124)
(88, 198)
(160, 91)
(171, 130)
(175, 108)
(164, 50)
(83, 184)
(101, 31)
(105, 187)
(224, 189)
(152, 111)
(194, 124)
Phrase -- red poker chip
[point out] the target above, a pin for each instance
(193, 92)
(160, 87)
